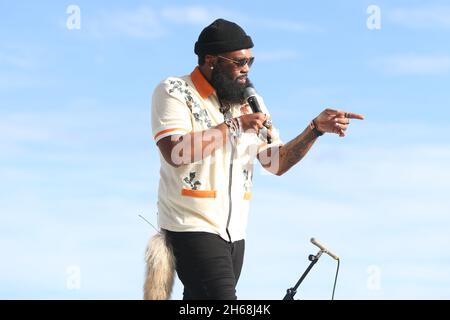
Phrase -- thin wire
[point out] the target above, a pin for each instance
(335, 278)
(148, 222)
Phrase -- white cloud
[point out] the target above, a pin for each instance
(20, 63)
(414, 65)
(141, 23)
(22, 56)
(19, 80)
(195, 15)
(148, 23)
(284, 25)
(276, 55)
(18, 60)
(432, 17)
(203, 15)
(21, 132)
(400, 170)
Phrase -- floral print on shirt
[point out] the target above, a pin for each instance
(200, 115)
(190, 183)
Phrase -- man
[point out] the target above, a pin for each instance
(208, 136)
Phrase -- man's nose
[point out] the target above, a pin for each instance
(245, 68)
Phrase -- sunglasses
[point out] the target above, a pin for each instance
(241, 62)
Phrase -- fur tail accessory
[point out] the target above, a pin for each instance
(160, 268)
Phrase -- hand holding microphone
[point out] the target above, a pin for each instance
(252, 100)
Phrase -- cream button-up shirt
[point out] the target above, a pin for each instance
(212, 194)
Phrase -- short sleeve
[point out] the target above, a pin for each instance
(276, 141)
(169, 112)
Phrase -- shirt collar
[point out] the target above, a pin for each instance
(204, 88)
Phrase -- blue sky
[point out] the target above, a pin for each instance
(78, 164)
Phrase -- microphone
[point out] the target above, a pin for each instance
(324, 249)
(252, 100)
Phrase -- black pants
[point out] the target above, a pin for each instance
(208, 266)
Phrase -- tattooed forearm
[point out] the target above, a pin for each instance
(292, 152)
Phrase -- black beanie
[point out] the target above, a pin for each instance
(222, 36)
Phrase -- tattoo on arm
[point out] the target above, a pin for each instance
(292, 152)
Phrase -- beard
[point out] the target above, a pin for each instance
(228, 90)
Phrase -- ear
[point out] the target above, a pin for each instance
(210, 60)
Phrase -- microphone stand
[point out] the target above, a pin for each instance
(290, 293)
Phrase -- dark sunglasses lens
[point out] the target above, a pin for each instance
(242, 62)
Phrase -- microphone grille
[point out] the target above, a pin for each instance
(249, 92)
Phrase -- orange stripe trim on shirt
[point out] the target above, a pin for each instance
(198, 193)
(204, 88)
(168, 130)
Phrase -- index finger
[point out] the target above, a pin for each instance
(351, 115)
